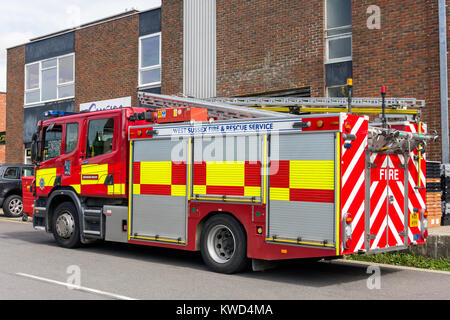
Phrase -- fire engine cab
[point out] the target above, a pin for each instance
(233, 182)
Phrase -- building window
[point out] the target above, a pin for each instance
(150, 60)
(337, 92)
(338, 32)
(50, 79)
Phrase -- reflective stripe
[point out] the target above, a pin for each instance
(94, 173)
(252, 191)
(279, 194)
(48, 176)
(156, 172)
(311, 175)
(178, 191)
(118, 188)
(76, 187)
(227, 173)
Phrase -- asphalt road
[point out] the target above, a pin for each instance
(32, 266)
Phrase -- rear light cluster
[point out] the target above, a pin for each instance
(424, 218)
(348, 218)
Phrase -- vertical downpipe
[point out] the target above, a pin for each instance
(444, 79)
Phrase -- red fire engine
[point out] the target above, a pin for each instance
(233, 182)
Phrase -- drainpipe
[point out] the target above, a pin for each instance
(444, 79)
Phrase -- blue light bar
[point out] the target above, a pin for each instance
(56, 113)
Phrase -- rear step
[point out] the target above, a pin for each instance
(92, 223)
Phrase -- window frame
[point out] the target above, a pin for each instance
(113, 145)
(338, 36)
(141, 69)
(65, 137)
(58, 85)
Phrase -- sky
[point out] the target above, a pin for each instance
(23, 20)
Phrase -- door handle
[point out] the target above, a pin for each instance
(391, 200)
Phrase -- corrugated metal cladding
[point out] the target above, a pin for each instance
(49, 48)
(199, 63)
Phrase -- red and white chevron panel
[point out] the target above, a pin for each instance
(417, 186)
(353, 179)
(387, 201)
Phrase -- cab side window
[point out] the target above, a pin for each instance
(71, 137)
(100, 137)
(52, 142)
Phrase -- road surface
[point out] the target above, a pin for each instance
(32, 266)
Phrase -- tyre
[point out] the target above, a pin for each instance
(66, 226)
(223, 245)
(13, 206)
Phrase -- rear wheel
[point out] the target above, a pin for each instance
(224, 245)
(13, 206)
(66, 227)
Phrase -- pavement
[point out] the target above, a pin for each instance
(32, 266)
(438, 244)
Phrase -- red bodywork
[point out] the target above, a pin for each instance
(27, 196)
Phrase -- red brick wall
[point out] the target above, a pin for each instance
(269, 45)
(106, 61)
(172, 47)
(14, 104)
(403, 55)
(2, 123)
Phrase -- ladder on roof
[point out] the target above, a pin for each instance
(236, 108)
(217, 110)
(398, 106)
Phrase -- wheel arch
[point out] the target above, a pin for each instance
(208, 216)
(56, 198)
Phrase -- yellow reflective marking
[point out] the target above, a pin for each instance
(189, 169)
(252, 191)
(199, 190)
(265, 170)
(311, 175)
(179, 191)
(48, 175)
(76, 187)
(281, 194)
(301, 242)
(101, 170)
(225, 173)
(338, 192)
(118, 188)
(130, 189)
(136, 189)
(158, 239)
(156, 172)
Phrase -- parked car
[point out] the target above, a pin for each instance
(11, 187)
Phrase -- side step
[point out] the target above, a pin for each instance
(93, 223)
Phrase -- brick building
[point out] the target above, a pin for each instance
(2, 125)
(207, 48)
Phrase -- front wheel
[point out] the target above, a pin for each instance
(223, 245)
(66, 227)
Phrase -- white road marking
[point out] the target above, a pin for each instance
(67, 285)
